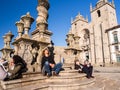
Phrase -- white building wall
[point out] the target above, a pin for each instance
(112, 46)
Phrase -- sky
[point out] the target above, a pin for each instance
(59, 20)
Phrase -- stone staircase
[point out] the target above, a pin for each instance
(68, 79)
(35, 81)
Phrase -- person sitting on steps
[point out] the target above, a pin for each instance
(16, 67)
(48, 64)
(3, 68)
(84, 68)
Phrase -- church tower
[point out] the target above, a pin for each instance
(104, 12)
(103, 16)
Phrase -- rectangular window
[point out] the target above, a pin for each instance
(115, 38)
(118, 57)
(117, 48)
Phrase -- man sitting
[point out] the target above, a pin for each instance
(16, 67)
(85, 68)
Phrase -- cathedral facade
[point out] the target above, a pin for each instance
(90, 40)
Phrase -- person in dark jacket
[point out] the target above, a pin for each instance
(16, 68)
(84, 68)
(48, 64)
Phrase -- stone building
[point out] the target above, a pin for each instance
(92, 42)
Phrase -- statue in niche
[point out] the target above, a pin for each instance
(34, 53)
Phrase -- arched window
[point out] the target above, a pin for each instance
(99, 13)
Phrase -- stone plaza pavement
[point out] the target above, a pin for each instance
(107, 77)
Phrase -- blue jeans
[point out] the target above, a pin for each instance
(57, 68)
(47, 68)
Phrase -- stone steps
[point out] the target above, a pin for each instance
(69, 72)
(34, 78)
(22, 82)
(66, 78)
(31, 74)
(62, 73)
(59, 86)
(75, 85)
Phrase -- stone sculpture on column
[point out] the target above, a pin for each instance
(7, 50)
(20, 27)
(27, 19)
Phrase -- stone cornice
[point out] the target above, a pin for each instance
(6, 49)
(28, 40)
(112, 28)
(38, 31)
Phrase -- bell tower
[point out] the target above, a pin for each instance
(104, 12)
(103, 16)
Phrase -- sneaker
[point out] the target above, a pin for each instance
(55, 74)
(88, 77)
(79, 71)
(49, 75)
(92, 76)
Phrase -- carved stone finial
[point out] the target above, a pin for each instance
(28, 13)
(28, 20)
(44, 3)
(113, 3)
(20, 27)
(91, 7)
